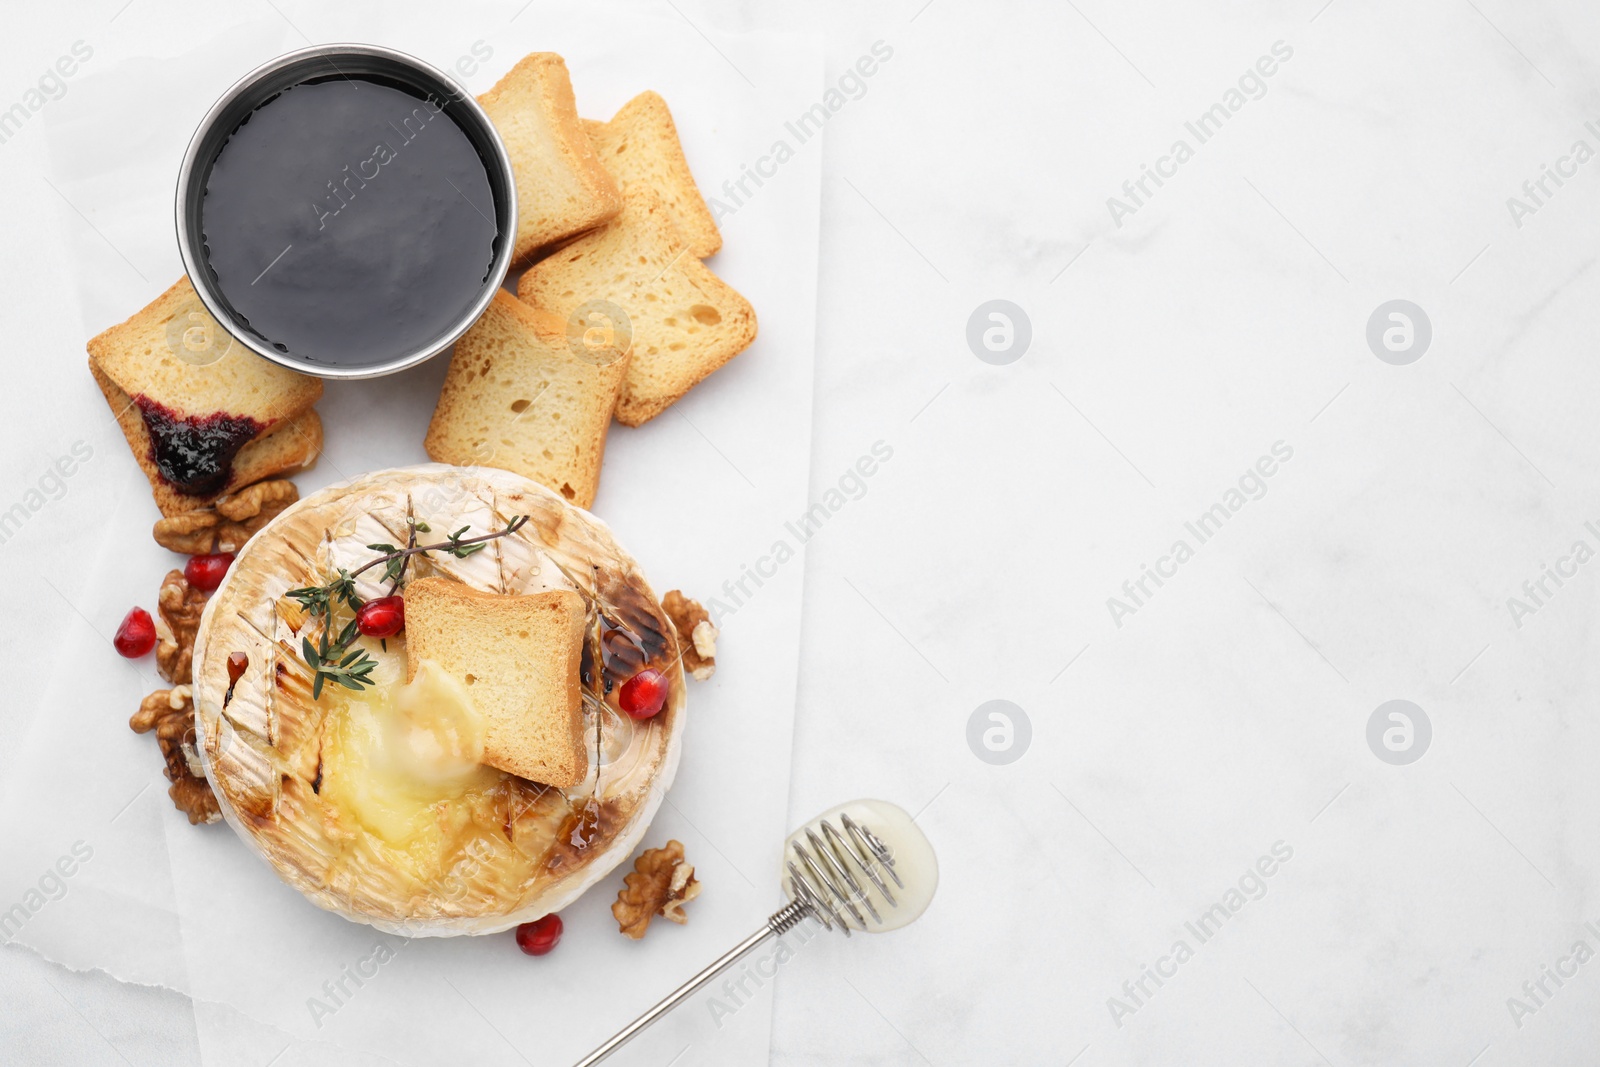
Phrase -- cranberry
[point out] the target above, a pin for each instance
(137, 634)
(644, 694)
(540, 936)
(383, 617)
(206, 572)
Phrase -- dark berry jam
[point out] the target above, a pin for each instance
(194, 455)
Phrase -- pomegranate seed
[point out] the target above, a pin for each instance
(206, 572)
(383, 617)
(137, 634)
(643, 695)
(540, 936)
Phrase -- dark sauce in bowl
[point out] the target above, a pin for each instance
(348, 220)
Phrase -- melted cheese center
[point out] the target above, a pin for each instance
(400, 754)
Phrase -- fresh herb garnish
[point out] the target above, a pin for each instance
(353, 670)
(462, 549)
(319, 600)
(331, 659)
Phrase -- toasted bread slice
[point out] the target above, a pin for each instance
(685, 322)
(521, 398)
(519, 657)
(175, 354)
(561, 187)
(640, 144)
(173, 358)
(291, 445)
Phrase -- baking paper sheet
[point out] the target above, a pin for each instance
(696, 495)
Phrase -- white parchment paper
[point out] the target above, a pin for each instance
(696, 495)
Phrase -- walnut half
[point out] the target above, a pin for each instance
(661, 883)
(697, 636)
(179, 605)
(170, 713)
(227, 525)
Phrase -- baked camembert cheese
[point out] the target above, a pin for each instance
(377, 800)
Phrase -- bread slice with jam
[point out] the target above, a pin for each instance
(203, 414)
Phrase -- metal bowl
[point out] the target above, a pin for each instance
(322, 61)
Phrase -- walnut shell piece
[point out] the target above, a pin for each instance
(258, 502)
(661, 883)
(697, 635)
(170, 713)
(228, 524)
(179, 605)
(193, 533)
(193, 797)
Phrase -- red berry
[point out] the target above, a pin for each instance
(206, 572)
(383, 617)
(137, 634)
(644, 694)
(540, 936)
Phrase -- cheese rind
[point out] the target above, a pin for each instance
(505, 852)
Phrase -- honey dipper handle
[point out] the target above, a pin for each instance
(782, 920)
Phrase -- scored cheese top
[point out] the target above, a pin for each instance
(370, 803)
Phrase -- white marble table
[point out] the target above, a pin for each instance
(1220, 511)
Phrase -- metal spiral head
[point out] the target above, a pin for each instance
(833, 871)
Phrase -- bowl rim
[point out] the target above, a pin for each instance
(189, 194)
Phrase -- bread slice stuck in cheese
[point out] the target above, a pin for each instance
(518, 657)
(523, 396)
(640, 144)
(561, 187)
(684, 321)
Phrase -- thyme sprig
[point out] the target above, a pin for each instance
(319, 600)
(453, 545)
(336, 662)
(332, 659)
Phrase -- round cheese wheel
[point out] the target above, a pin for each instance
(294, 775)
